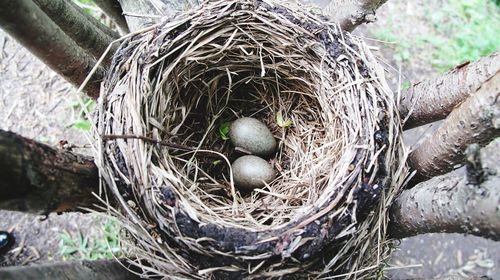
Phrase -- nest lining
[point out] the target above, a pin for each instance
(173, 86)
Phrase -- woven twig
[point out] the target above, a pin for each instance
(340, 162)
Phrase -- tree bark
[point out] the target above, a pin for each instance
(114, 11)
(452, 203)
(477, 120)
(28, 24)
(39, 179)
(434, 99)
(448, 204)
(84, 29)
(140, 14)
(98, 270)
(351, 13)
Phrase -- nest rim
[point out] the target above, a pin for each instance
(241, 242)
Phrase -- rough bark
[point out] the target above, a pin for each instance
(84, 29)
(434, 99)
(98, 270)
(452, 203)
(29, 25)
(37, 178)
(477, 120)
(351, 13)
(139, 13)
(114, 11)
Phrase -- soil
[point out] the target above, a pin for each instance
(34, 102)
(37, 238)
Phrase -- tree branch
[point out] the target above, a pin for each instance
(114, 11)
(99, 269)
(139, 13)
(434, 99)
(447, 204)
(29, 25)
(351, 13)
(39, 179)
(451, 203)
(477, 120)
(84, 29)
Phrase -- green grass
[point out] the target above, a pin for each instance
(86, 2)
(82, 120)
(464, 30)
(89, 7)
(402, 47)
(81, 247)
(460, 30)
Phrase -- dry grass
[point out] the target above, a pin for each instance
(339, 163)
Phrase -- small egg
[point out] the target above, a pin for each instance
(250, 172)
(253, 136)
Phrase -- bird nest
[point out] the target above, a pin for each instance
(162, 120)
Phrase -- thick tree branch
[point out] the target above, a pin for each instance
(452, 203)
(139, 13)
(351, 13)
(99, 270)
(143, 13)
(434, 99)
(29, 25)
(39, 179)
(84, 29)
(447, 204)
(114, 11)
(477, 120)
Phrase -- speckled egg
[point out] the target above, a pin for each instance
(253, 136)
(250, 172)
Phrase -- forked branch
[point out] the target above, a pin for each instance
(477, 120)
(432, 100)
(85, 30)
(29, 25)
(452, 203)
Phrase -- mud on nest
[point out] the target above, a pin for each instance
(319, 90)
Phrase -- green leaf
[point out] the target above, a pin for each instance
(224, 130)
(282, 122)
(82, 124)
(406, 85)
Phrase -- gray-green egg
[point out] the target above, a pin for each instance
(250, 172)
(253, 136)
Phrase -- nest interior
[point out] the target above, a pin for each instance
(160, 124)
